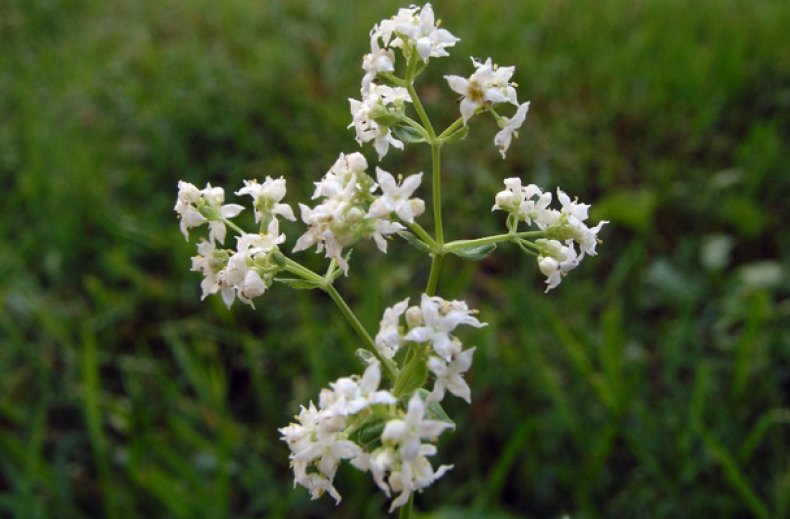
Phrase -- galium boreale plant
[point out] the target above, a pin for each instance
(387, 419)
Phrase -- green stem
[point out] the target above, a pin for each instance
(451, 129)
(414, 124)
(389, 368)
(405, 511)
(423, 235)
(415, 99)
(463, 244)
(233, 226)
(433, 277)
(302, 271)
(325, 284)
(438, 255)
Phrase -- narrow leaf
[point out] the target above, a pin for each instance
(298, 284)
(408, 134)
(477, 252)
(414, 241)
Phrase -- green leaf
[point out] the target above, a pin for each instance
(413, 374)
(409, 134)
(298, 284)
(370, 433)
(414, 241)
(476, 252)
(434, 410)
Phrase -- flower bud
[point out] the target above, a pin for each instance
(414, 317)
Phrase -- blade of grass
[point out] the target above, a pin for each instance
(93, 421)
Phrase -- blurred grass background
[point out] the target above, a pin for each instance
(654, 382)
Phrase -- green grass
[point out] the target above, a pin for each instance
(654, 382)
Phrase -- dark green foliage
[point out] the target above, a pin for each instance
(654, 382)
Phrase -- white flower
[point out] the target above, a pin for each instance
(556, 260)
(439, 318)
(415, 474)
(341, 219)
(377, 61)
(210, 262)
(266, 198)
(487, 86)
(350, 395)
(341, 182)
(505, 135)
(395, 198)
(573, 215)
(250, 269)
(195, 207)
(377, 101)
(510, 199)
(389, 337)
(415, 28)
(411, 470)
(529, 203)
(448, 376)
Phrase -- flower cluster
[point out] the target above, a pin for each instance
(489, 85)
(428, 328)
(198, 206)
(351, 211)
(563, 227)
(413, 28)
(249, 270)
(340, 428)
(319, 440)
(372, 118)
(390, 432)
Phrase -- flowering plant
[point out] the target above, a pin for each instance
(386, 421)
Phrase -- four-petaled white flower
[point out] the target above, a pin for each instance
(439, 318)
(395, 197)
(488, 85)
(197, 206)
(267, 197)
(503, 138)
(448, 376)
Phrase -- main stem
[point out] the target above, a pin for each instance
(370, 345)
(436, 166)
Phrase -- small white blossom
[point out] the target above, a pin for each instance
(210, 263)
(573, 215)
(195, 207)
(390, 335)
(411, 470)
(342, 218)
(350, 395)
(415, 28)
(439, 318)
(377, 101)
(267, 197)
(376, 62)
(448, 376)
(395, 198)
(556, 260)
(503, 138)
(488, 85)
(250, 269)
(529, 203)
